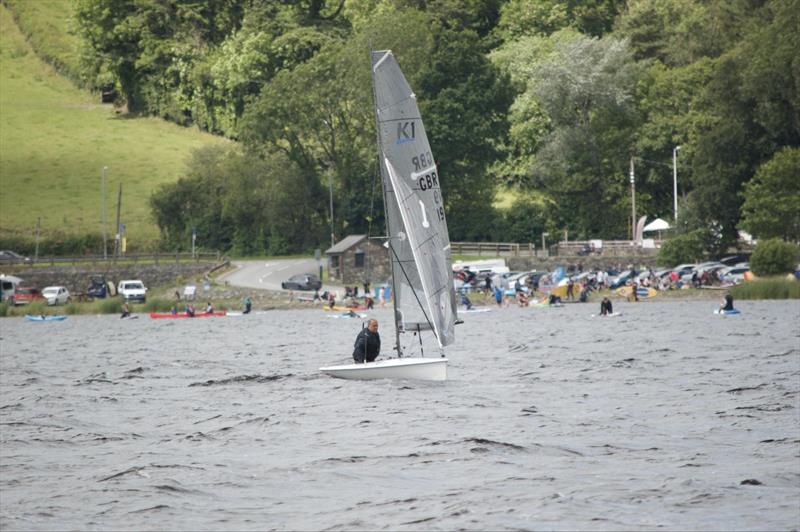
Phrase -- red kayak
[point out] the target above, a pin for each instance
(184, 315)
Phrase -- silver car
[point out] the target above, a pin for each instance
(56, 295)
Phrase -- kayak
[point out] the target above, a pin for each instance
(184, 315)
(45, 318)
(338, 308)
(725, 312)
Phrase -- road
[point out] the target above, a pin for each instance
(268, 274)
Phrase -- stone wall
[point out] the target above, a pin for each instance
(76, 278)
(376, 264)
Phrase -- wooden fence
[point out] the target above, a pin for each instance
(131, 258)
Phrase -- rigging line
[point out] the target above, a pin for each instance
(421, 306)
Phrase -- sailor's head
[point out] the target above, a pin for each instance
(372, 325)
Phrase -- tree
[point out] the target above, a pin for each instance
(774, 257)
(681, 249)
(771, 206)
(586, 88)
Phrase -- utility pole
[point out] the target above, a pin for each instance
(38, 228)
(119, 232)
(633, 203)
(103, 212)
(675, 179)
(330, 189)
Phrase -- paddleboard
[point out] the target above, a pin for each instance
(643, 292)
(727, 312)
(345, 315)
(612, 315)
(474, 310)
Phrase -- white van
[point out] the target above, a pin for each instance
(8, 285)
(132, 290)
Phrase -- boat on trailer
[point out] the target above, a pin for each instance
(419, 245)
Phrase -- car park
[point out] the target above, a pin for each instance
(303, 281)
(26, 294)
(56, 295)
(132, 290)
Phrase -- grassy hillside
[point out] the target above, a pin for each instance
(55, 139)
(47, 25)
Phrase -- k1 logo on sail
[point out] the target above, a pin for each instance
(405, 132)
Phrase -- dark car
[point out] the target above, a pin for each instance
(304, 281)
(10, 257)
(98, 287)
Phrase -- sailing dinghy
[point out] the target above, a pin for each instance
(419, 246)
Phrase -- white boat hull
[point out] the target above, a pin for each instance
(428, 369)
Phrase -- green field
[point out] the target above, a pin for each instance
(55, 140)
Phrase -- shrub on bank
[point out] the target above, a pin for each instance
(72, 308)
(771, 288)
(3, 309)
(773, 257)
(110, 306)
(35, 308)
(158, 305)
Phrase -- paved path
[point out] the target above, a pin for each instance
(269, 274)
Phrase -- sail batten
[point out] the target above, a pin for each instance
(415, 218)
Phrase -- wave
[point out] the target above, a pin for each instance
(243, 378)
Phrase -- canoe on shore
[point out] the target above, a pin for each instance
(185, 315)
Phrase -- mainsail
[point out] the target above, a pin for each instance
(418, 241)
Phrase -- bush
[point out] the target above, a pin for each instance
(774, 288)
(36, 308)
(682, 248)
(110, 306)
(72, 308)
(774, 257)
(158, 305)
(3, 309)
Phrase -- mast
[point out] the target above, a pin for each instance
(392, 254)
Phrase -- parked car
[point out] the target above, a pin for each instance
(621, 279)
(56, 295)
(132, 290)
(26, 294)
(10, 257)
(303, 281)
(733, 274)
(99, 287)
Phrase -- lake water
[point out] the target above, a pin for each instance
(666, 417)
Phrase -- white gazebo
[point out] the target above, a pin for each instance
(656, 225)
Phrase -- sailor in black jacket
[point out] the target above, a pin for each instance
(368, 343)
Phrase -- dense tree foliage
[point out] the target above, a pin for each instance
(772, 198)
(554, 98)
(774, 257)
